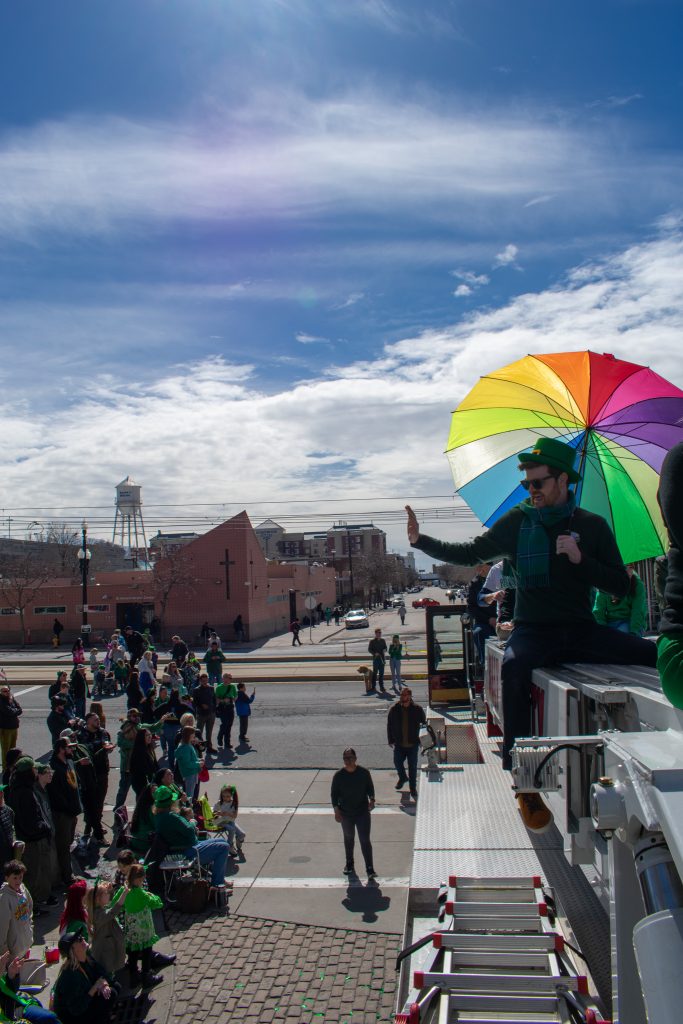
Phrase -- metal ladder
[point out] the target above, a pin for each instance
(498, 961)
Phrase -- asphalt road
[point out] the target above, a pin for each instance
(302, 725)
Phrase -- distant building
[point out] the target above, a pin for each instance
(209, 578)
(321, 546)
(269, 533)
(170, 541)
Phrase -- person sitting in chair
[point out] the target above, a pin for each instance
(180, 835)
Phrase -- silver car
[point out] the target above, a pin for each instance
(356, 618)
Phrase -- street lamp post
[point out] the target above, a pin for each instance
(84, 559)
(348, 544)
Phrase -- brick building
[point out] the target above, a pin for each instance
(213, 578)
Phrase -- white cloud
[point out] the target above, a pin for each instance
(350, 300)
(206, 432)
(311, 339)
(285, 155)
(613, 102)
(538, 201)
(470, 282)
(507, 257)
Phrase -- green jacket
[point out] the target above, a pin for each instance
(569, 596)
(631, 609)
(187, 760)
(178, 832)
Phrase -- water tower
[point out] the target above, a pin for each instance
(128, 520)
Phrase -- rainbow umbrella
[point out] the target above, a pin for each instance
(622, 418)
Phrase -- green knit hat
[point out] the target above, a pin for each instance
(24, 764)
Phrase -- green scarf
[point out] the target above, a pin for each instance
(533, 542)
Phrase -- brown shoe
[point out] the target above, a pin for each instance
(535, 815)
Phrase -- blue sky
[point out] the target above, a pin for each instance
(257, 251)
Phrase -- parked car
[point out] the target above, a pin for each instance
(424, 602)
(356, 619)
(397, 601)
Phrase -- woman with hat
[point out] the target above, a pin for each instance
(84, 993)
(180, 835)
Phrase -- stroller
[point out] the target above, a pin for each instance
(104, 683)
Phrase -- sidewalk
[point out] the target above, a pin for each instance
(262, 970)
(299, 942)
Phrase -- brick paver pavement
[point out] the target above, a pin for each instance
(257, 971)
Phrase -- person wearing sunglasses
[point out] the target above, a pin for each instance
(558, 553)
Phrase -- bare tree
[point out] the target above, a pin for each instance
(454, 573)
(375, 572)
(172, 571)
(65, 540)
(21, 578)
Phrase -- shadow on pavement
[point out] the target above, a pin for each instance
(366, 900)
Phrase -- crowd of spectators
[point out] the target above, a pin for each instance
(107, 930)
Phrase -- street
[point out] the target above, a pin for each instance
(310, 700)
(302, 725)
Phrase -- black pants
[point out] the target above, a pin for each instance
(65, 830)
(531, 647)
(295, 639)
(142, 956)
(226, 717)
(351, 823)
(244, 726)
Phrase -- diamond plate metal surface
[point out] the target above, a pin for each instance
(461, 743)
(473, 809)
(432, 867)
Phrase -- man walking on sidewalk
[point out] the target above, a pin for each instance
(403, 733)
(353, 797)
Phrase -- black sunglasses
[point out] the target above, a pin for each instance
(537, 484)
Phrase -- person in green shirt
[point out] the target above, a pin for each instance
(628, 613)
(214, 660)
(558, 553)
(395, 655)
(180, 835)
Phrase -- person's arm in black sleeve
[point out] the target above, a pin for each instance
(498, 542)
(370, 787)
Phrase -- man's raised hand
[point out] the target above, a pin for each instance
(413, 527)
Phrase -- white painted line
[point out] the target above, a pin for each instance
(324, 810)
(359, 881)
(20, 693)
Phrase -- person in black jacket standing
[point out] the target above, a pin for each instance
(136, 644)
(97, 742)
(180, 650)
(403, 733)
(65, 800)
(32, 828)
(8, 850)
(353, 797)
(10, 710)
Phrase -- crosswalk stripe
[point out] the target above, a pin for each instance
(263, 882)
